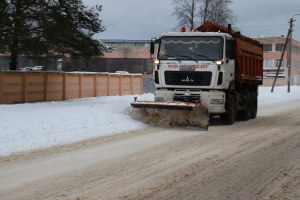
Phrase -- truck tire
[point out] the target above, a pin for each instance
(228, 117)
(245, 115)
(254, 104)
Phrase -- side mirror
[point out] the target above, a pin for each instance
(152, 47)
(232, 49)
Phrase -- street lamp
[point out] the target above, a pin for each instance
(59, 64)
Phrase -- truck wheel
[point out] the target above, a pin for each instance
(238, 116)
(254, 104)
(228, 117)
(246, 114)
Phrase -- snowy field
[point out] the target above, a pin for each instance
(38, 125)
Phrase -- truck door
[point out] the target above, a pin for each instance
(229, 73)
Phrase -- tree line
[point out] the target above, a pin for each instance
(55, 28)
(49, 28)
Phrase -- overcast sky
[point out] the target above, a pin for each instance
(144, 19)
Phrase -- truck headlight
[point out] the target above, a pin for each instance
(159, 99)
(219, 62)
(217, 101)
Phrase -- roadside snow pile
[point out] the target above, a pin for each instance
(280, 94)
(38, 125)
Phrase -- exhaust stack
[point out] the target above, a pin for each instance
(229, 29)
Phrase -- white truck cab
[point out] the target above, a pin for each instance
(194, 67)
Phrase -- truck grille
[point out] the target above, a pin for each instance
(188, 78)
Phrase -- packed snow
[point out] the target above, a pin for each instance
(39, 125)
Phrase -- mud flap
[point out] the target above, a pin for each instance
(183, 114)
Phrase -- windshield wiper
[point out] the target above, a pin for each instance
(203, 56)
(171, 56)
(187, 57)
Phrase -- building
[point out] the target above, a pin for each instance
(129, 55)
(273, 47)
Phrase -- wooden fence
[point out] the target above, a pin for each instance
(269, 82)
(23, 87)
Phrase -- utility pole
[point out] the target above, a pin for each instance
(288, 38)
(290, 54)
(280, 63)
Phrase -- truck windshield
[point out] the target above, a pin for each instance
(191, 48)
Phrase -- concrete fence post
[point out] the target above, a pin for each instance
(131, 84)
(141, 84)
(120, 84)
(64, 86)
(80, 85)
(1, 87)
(24, 87)
(95, 86)
(108, 84)
(46, 86)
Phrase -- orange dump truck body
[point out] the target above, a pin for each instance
(249, 55)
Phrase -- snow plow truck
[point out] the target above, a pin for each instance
(209, 71)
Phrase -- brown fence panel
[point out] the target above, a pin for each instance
(72, 90)
(102, 84)
(126, 85)
(54, 86)
(137, 84)
(12, 87)
(87, 85)
(35, 87)
(114, 84)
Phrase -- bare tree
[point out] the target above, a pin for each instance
(217, 11)
(191, 13)
(187, 11)
(205, 10)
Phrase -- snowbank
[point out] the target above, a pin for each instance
(39, 125)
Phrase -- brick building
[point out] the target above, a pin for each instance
(129, 55)
(273, 47)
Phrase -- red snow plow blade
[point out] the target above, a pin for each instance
(191, 115)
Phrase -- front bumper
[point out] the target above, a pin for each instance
(213, 100)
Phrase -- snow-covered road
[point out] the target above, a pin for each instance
(255, 159)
